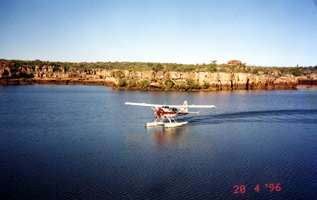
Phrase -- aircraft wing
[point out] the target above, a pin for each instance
(172, 106)
(198, 106)
(143, 104)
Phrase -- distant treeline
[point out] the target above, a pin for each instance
(145, 66)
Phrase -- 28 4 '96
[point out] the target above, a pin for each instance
(268, 187)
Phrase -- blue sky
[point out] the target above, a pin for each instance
(260, 32)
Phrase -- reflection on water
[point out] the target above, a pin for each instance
(169, 136)
(80, 142)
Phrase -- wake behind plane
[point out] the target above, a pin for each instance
(165, 115)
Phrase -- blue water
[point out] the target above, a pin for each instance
(82, 142)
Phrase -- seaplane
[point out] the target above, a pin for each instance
(165, 115)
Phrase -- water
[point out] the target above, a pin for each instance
(82, 142)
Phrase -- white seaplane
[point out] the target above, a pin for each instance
(164, 115)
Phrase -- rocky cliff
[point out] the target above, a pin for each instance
(13, 72)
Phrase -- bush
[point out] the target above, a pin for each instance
(157, 67)
(296, 72)
(122, 83)
(193, 84)
(205, 85)
(169, 84)
(131, 83)
(56, 68)
(187, 68)
(144, 84)
(212, 68)
(66, 67)
(181, 87)
(117, 74)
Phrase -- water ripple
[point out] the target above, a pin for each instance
(303, 116)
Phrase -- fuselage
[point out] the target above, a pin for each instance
(166, 111)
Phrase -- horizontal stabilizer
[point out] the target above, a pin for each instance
(172, 106)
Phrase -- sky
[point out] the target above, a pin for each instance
(257, 32)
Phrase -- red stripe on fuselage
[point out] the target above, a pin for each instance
(162, 112)
(173, 113)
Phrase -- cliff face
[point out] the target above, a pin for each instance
(11, 73)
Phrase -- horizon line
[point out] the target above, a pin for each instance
(142, 61)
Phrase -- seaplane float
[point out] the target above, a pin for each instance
(165, 115)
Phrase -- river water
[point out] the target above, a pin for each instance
(82, 142)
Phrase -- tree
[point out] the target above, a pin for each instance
(156, 67)
(214, 62)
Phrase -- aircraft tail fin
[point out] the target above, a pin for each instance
(185, 108)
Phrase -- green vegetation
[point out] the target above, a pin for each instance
(117, 74)
(212, 68)
(296, 71)
(156, 67)
(132, 83)
(205, 85)
(169, 84)
(122, 83)
(66, 67)
(138, 75)
(144, 84)
(193, 85)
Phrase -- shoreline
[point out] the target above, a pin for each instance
(156, 76)
(15, 82)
